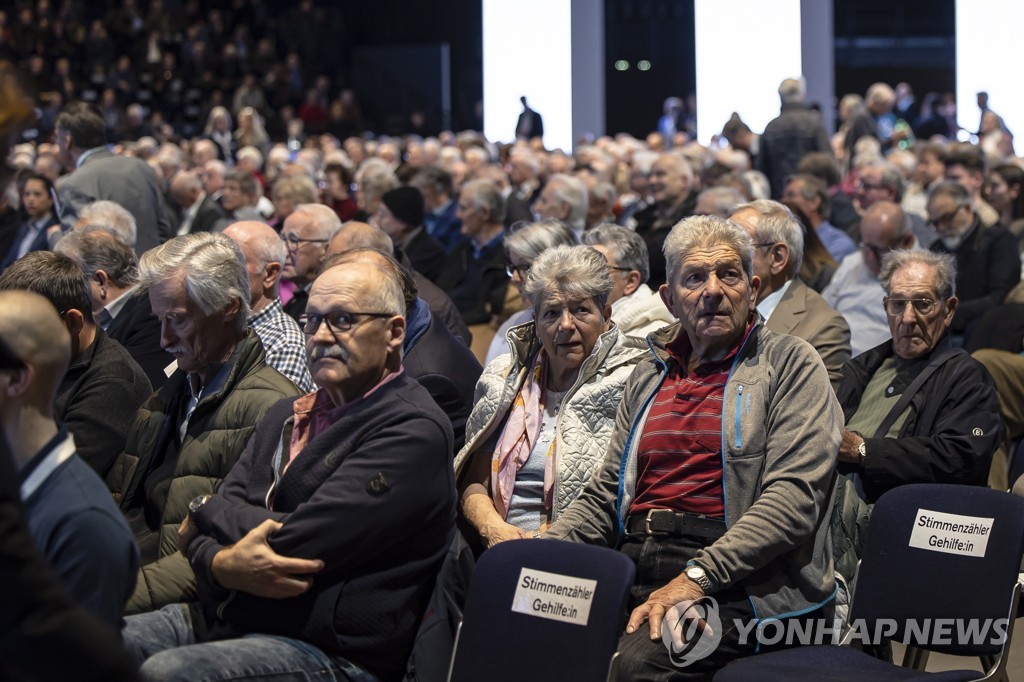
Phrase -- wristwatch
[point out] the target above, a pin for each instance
(862, 452)
(196, 504)
(697, 575)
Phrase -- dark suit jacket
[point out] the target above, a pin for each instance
(137, 329)
(426, 255)
(442, 308)
(476, 285)
(97, 399)
(448, 370)
(128, 181)
(987, 267)
(40, 243)
(803, 313)
(207, 216)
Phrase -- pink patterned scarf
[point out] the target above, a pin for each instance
(518, 438)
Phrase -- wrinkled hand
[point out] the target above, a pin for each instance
(250, 565)
(187, 532)
(680, 589)
(848, 448)
(498, 532)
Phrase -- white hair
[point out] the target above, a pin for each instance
(111, 215)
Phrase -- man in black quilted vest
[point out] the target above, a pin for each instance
(323, 544)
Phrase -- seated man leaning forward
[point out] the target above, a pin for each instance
(544, 412)
(319, 552)
(917, 409)
(186, 437)
(725, 445)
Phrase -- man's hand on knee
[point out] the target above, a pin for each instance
(661, 600)
(250, 565)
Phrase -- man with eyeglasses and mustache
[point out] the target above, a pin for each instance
(318, 553)
(854, 291)
(987, 260)
(917, 409)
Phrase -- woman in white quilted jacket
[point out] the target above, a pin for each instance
(543, 413)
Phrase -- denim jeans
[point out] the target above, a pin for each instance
(164, 642)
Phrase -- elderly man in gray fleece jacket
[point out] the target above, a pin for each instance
(717, 481)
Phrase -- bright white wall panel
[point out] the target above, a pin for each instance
(988, 35)
(744, 49)
(527, 47)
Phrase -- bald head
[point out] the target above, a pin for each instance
(381, 260)
(31, 327)
(356, 235)
(265, 253)
(186, 188)
(884, 228)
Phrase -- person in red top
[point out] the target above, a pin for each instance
(716, 479)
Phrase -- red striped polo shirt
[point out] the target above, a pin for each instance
(679, 460)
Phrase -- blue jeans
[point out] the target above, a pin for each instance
(164, 643)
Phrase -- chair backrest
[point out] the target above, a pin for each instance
(941, 563)
(435, 639)
(543, 610)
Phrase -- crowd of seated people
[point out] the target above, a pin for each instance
(284, 380)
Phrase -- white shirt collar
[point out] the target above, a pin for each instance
(771, 301)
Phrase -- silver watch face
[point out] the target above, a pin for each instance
(694, 572)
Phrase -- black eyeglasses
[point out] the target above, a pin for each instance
(511, 270)
(764, 245)
(294, 242)
(341, 321)
(922, 306)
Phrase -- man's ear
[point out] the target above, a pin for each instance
(396, 333)
(632, 282)
(17, 382)
(666, 296)
(74, 321)
(271, 273)
(780, 258)
(232, 310)
(951, 304)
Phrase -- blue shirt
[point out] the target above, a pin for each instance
(838, 243)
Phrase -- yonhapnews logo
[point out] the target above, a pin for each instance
(691, 631)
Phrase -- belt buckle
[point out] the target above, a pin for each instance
(648, 530)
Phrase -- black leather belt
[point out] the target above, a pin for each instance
(668, 523)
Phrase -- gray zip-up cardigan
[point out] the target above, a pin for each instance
(781, 430)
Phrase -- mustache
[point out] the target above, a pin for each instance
(335, 351)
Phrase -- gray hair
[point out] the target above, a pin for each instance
(572, 191)
(627, 247)
(812, 186)
(213, 268)
(704, 231)
(943, 264)
(953, 190)
(376, 178)
(297, 188)
(775, 224)
(327, 221)
(792, 91)
(486, 195)
(726, 199)
(892, 178)
(97, 247)
(577, 272)
(251, 153)
(111, 215)
(880, 92)
(534, 239)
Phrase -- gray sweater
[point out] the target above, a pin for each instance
(781, 430)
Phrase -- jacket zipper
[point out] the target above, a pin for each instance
(739, 410)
